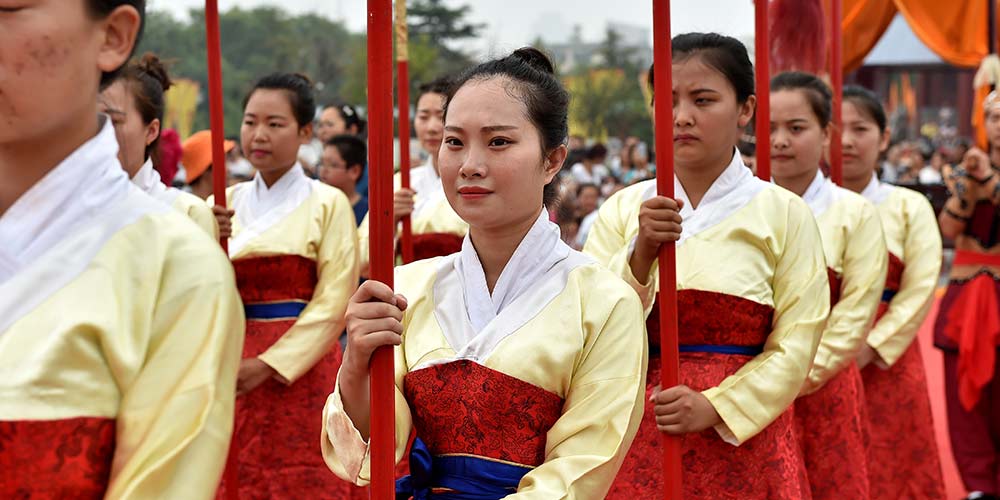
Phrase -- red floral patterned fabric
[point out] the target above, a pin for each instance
(275, 441)
(903, 457)
(835, 283)
(714, 319)
(768, 466)
(832, 427)
(274, 278)
(56, 459)
(430, 245)
(464, 407)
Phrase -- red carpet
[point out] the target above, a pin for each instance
(935, 385)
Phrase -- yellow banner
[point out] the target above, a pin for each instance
(181, 104)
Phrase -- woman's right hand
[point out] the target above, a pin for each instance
(224, 219)
(659, 223)
(402, 204)
(374, 319)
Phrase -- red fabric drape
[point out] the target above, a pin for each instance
(955, 31)
(864, 23)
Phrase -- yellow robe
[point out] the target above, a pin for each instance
(747, 239)
(855, 250)
(912, 235)
(117, 313)
(314, 221)
(186, 203)
(574, 332)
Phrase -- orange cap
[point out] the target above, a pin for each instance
(197, 155)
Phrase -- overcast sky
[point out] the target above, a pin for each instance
(513, 23)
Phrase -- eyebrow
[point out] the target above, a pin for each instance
(113, 111)
(268, 117)
(488, 128)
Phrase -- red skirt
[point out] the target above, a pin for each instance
(768, 466)
(903, 460)
(276, 438)
(832, 427)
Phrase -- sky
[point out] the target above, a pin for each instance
(513, 23)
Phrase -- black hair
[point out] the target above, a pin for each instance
(722, 53)
(351, 148)
(596, 151)
(535, 83)
(297, 87)
(817, 93)
(102, 9)
(147, 80)
(868, 103)
(441, 85)
(349, 115)
(587, 185)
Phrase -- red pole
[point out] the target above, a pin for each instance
(762, 63)
(216, 119)
(213, 46)
(837, 82)
(663, 106)
(380, 235)
(403, 96)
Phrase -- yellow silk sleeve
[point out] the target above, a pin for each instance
(199, 211)
(603, 408)
(176, 415)
(754, 396)
(892, 334)
(864, 265)
(322, 321)
(346, 453)
(610, 244)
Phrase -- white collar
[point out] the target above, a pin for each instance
(80, 187)
(820, 194)
(539, 251)
(876, 192)
(426, 182)
(265, 198)
(258, 207)
(730, 191)
(148, 180)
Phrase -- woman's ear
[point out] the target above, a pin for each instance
(306, 133)
(119, 31)
(554, 161)
(152, 131)
(746, 111)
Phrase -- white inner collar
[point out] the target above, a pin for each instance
(875, 191)
(538, 252)
(77, 189)
(820, 194)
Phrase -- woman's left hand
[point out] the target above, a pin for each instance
(680, 410)
(253, 372)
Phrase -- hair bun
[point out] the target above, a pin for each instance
(535, 58)
(305, 79)
(153, 67)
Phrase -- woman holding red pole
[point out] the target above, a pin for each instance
(753, 293)
(830, 417)
(903, 456)
(519, 362)
(437, 229)
(294, 248)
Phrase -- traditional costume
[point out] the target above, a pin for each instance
(188, 204)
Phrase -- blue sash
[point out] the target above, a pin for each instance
(744, 350)
(467, 477)
(274, 310)
(887, 295)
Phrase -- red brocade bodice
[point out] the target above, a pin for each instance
(712, 318)
(275, 278)
(465, 408)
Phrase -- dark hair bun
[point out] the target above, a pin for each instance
(304, 78)
(153, 67)
(535, 58)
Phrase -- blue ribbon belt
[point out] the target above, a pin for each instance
(744, 350)
(887, 295)
(465, 477)
(274, 310)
